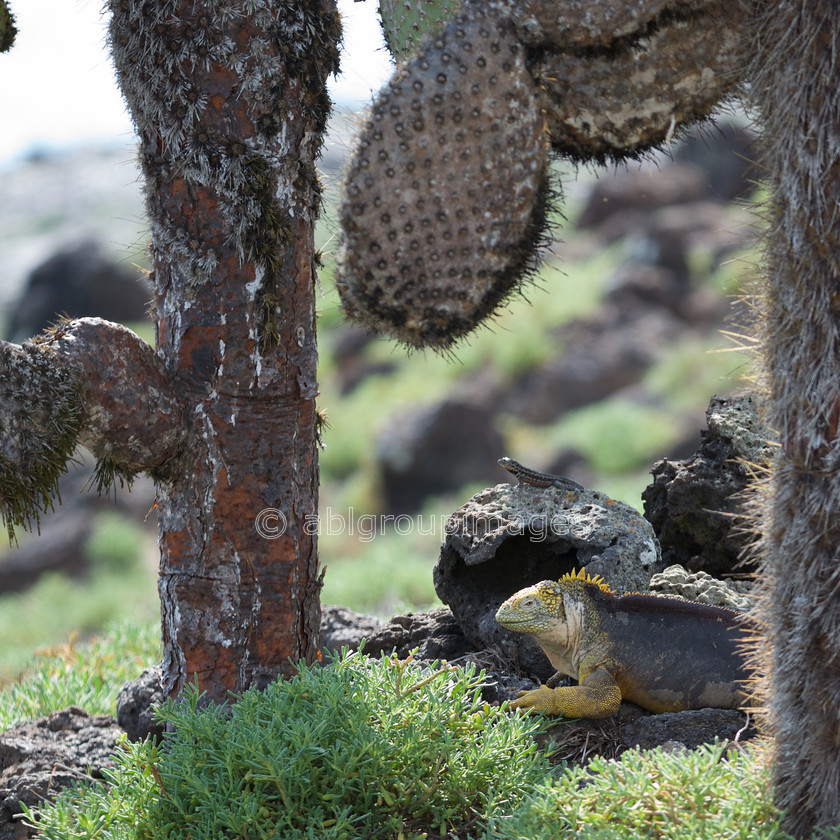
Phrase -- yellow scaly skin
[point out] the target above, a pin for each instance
(663, 654)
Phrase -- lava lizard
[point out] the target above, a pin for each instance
(538, 479)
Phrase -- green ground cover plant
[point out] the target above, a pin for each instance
(81, 674)
(358, 748)
(711, 793)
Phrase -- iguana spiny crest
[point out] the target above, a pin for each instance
(538, 608)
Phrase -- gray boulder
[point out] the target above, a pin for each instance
(38, 759)
(509, 537)
(78, 281)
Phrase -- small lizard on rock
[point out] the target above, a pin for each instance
(664, 654)
(538, 479)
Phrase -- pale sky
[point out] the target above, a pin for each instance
(57, 84)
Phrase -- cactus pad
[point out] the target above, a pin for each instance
(446, 193)
(615, 103)
(405, 23)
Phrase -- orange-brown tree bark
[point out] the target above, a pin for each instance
(230, 103)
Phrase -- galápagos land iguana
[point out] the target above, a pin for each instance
(664, 654)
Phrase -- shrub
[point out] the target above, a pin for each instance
(358, 748)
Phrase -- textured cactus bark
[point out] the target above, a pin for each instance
(230, 103)
(796, 71)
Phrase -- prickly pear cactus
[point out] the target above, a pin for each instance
(617, 102)
(446, 193)
(39, 425)
(405, 23)
(574, 25)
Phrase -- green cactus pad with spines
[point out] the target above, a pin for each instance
(446, 192)
(40, 416)
(8, 31)
(405, 23)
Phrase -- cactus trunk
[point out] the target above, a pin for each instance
(230, 103)
(796, 78)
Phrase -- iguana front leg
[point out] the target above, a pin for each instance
(597, 696)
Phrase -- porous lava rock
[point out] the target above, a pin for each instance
(61, 545)
(136, 704)
(629, 192)
(40, 758)
(726, 152)
(341, 627)
(603, 353)
(432, 635)
(512, 536)
(694, 505)
(690, 728)
(578, 741)
(677, 582)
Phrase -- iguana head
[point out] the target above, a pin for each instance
(553, 613)
(533, 610)
(553, 616)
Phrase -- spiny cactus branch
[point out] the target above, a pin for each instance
(594, 25)
(796, 70)
(132, 412)
(86, 381)
(446, 194)
(405, 25)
